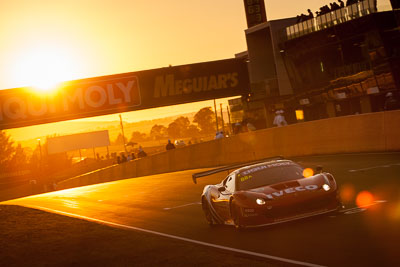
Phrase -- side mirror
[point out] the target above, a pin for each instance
(221, 189)
(318, 169)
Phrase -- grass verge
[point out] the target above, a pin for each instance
(30, 237)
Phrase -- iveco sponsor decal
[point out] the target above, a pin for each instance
(167, 85)
(291, 190)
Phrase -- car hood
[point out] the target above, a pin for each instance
(293, 187)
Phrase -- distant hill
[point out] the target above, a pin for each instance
(28, 136)
(145, 126)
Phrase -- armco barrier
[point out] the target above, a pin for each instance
(370, 132)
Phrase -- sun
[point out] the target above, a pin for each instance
(43, 67)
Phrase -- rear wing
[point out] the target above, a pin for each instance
(230, 167)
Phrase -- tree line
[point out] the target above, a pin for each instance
(13, 157)
(203, 124)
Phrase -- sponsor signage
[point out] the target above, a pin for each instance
(304, 101)
(124, 92)
(341, 95)
(291, 190)
(255, 12)
(72, 142)
(372, 90)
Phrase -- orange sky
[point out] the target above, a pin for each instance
(74, 39)
(45, 41)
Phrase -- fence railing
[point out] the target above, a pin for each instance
(335, 17)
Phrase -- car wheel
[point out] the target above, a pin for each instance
(207, 212)
(339, 208)
(236, 217)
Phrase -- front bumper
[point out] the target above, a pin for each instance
(279, 212)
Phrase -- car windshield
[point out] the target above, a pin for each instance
(267, 174)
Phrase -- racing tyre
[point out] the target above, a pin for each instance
(340, 208)
(207, 212)
(236, 217)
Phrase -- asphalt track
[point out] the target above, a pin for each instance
(168, 205)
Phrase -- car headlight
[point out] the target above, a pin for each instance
(260, 201)
(326, 187)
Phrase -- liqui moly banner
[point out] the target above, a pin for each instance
(124, 92)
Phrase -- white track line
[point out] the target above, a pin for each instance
(260, 255)
(375, 167)
(362, 208)
(180, 206)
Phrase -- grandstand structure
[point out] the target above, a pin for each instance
(340, 63)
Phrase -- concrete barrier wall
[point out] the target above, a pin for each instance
(392, 130)
(370, 132)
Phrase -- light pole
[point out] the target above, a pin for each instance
(229, 118)
(216, 116)
(123, 134)
(222, 119)
(40, 154)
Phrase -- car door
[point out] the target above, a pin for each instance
(222, 202)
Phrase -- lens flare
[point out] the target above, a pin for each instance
(364, 198)
(394, 212)
(347, 193)
(308, 172)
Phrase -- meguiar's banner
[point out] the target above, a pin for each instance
(124, 92)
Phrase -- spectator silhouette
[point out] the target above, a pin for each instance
(334, 6)
(391, 103)
(350, 2)
(123, 157)
(250, 126)
(141, 153)
(219, 135)
(279, 119)
(325, 9)
(301, 18)
(310, 14)
(170, 145)
(237, 128)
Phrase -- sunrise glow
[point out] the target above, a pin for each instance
(44, 66)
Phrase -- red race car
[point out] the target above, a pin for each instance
(268, 192)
